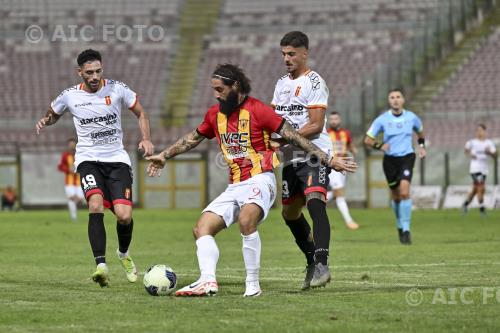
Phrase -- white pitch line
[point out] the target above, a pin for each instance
(335, 267)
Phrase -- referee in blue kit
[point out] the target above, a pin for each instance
(398, 126)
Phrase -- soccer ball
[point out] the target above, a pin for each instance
(159, 280)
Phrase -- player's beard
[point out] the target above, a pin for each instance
(230, 104)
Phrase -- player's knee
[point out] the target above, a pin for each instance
(404, 192)
(199, 232)
(96, 207)
(124, 218)
(248, 225)
(404, 195)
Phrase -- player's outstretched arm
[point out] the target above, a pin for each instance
(338, 163)
(145, 145)
(184, 144)
(50, 119)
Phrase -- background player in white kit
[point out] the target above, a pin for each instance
(100, 159)
(342, 146)
(478, 149)
(301, 97)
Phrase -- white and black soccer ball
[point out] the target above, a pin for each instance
(160, 280)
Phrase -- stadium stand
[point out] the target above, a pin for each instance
(361, 35)
(475, 86)
(470, 97)
(341, 58)
(32, 74)
(265, 14)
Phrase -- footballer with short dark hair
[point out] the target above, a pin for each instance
(100, 158)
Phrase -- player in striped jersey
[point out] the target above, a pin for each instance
(342, 145)
(72, 187)
(242, 126)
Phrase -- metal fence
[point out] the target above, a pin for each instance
(417, 56)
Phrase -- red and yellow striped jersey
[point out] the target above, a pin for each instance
(341, 139)
(244, 137)
(66, 165)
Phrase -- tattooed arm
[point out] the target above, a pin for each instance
(292, 136)
(338, 163)
(50, 119)
(184, 144)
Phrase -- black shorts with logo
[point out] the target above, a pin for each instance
(478, 178)
(397, 168)
(113, 180)
(303, 178)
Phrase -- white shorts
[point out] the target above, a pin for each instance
(337, 180)
(260, 190)
(73, 190)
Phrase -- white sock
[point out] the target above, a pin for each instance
(344, 210)
(208, 255)
(72, 209)
(122, 255)
(251, 255)
(329, 195)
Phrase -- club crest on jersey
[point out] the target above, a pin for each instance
(243, 123)
(297, 91)
(108, 100)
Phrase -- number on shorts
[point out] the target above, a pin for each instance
(88, 180)
(286, 192)
(256, 193)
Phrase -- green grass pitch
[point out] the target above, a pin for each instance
(46, 264)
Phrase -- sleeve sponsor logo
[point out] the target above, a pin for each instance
(117, 83)
(315, 81)
(65, 91)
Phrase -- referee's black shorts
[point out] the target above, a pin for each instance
(397, 168)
